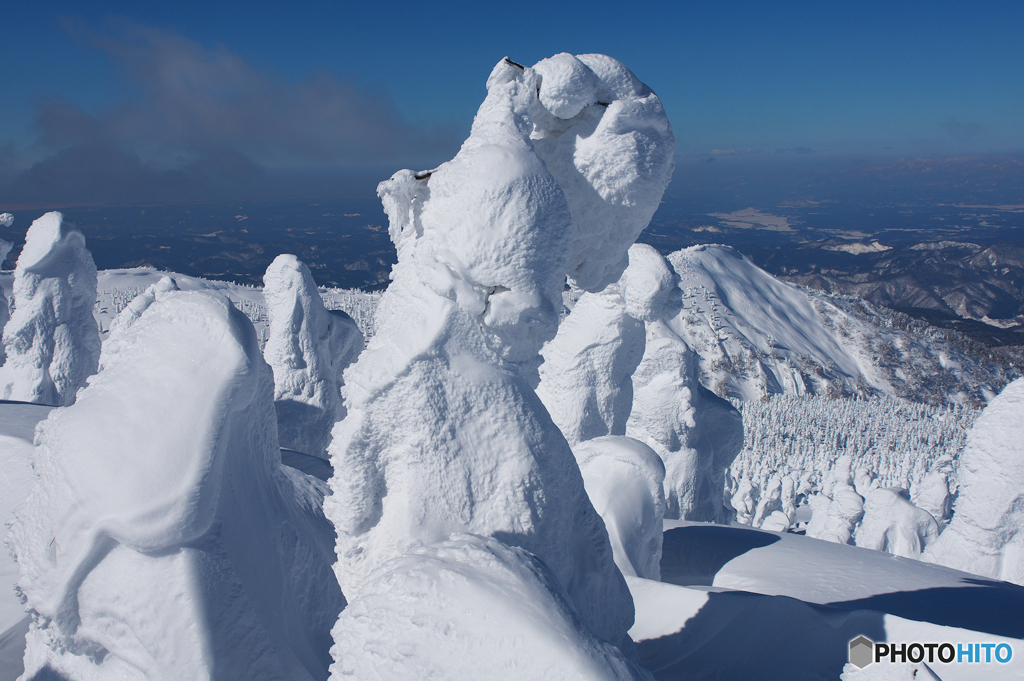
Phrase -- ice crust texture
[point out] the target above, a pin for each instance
(986, 534)
(444, 433)
(308, 348)
(181, 550)
(51, 341)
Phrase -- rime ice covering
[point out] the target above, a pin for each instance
(6, 219)
(624, 479)
(605, 137)
(586, 376)
(52, 341)
(177, 550)
(308, 348)
(469, 608)
(894, 525)
(444, 433)
(985, 536)
(696, 433)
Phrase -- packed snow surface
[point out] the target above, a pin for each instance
(308, 347)
(469, 608)
(986, 535)
(182, 549)
(741, 603)
(51, 341)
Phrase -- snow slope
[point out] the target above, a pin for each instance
(741, 603)
(756, 335)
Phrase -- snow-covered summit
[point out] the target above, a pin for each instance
(757, 335)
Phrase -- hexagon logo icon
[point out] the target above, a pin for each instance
(862, 652)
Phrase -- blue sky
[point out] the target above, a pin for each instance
(235, 89)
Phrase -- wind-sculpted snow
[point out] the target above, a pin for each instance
(308, 348)
(756, 335)
(986, 535)
(605, 137)
(469, 608)
(177, 550)
(444, 433)
(624, 480)
(52, 341)
(586, 379)
(696, 433)
(6, 219)
(894, 525)
(796, 448)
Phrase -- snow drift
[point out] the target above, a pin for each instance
(163, 539)
(469, 608)
(308, 348)
(624, 479)
(985, 535)
(52, 341)
(444, 434)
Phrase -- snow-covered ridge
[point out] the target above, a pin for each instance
(757, 335)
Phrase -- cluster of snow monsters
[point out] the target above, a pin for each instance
(186, 550)
(485, 505)
(880, 473)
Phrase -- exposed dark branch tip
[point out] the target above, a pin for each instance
(514, 63)
(423, 174)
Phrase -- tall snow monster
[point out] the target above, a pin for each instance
(445, 439)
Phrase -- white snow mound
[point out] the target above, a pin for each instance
(624, 479)
(308, 348)
(179, 550)
(469, 608)
(52, 341)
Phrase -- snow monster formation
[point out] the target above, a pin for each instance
(183, 549)
(52, 340)
(616, 367)
(586, 381)
(986, 534)
(444, 436)
(308, 348)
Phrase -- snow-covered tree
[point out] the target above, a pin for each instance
(52, 340)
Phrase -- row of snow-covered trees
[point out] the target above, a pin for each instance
(897, 440)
